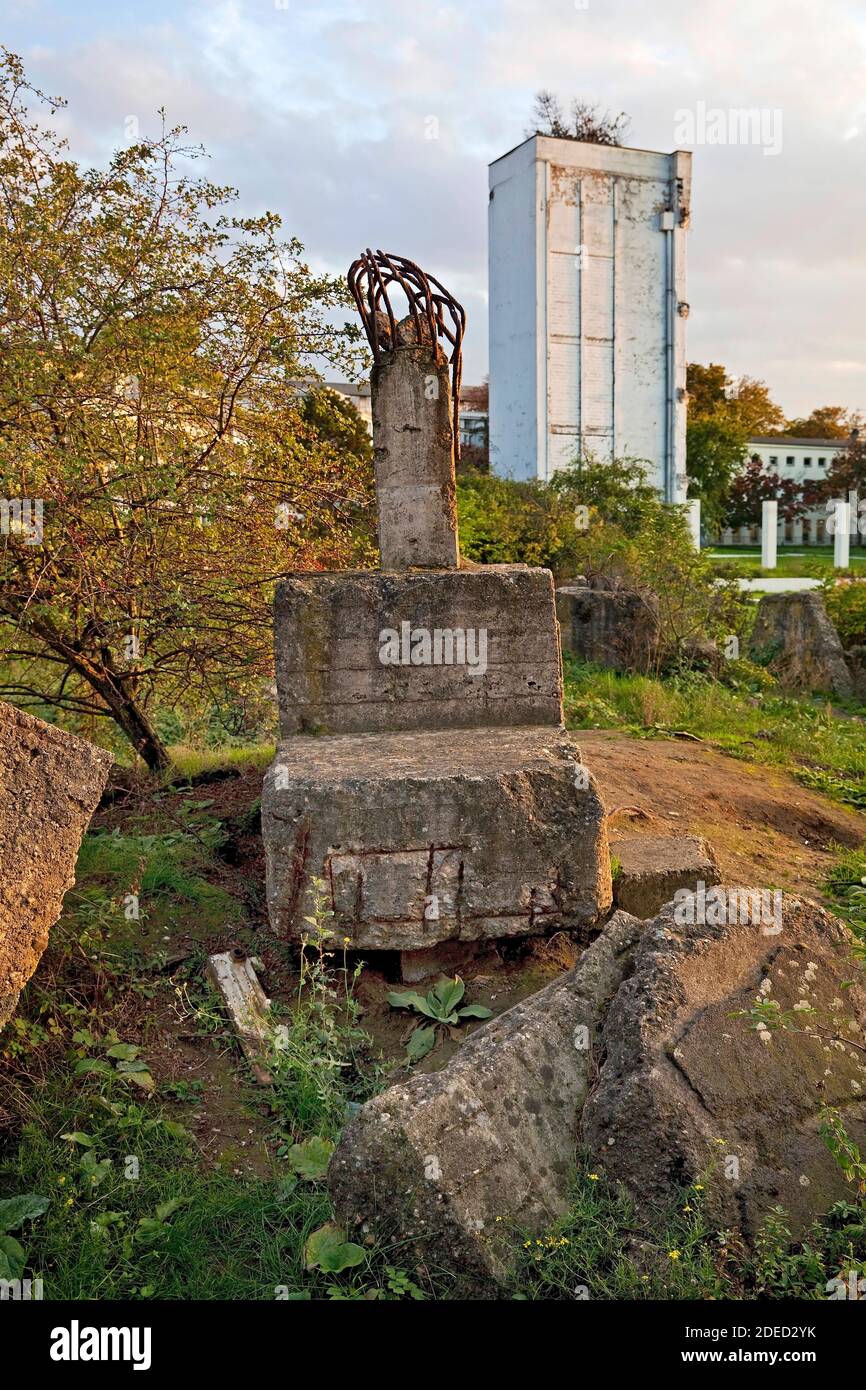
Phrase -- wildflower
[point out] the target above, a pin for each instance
(674, 1254)
(687, 1207)
(593, 1177)
(766, 985)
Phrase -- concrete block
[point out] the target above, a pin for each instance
(368, 651)
(610, 627)
(430, 836)
(455, 1160)
(653, 867)
(794, 637)
(413, 448)
(50, 784)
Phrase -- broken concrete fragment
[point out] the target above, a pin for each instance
(618, 628)
(50, 785)
(448, 958)
(363, 652)
(795, 639)
(687, 1090)
(653, 867)
(438, 1158)
(435, 836)
(233, 974)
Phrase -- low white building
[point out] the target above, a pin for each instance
(798, 460)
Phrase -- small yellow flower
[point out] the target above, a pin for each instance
(347, 940)
(644, 1278)
(593, 1177)
(674, 1254)
(698, 1186)
(687, 1207)
(62, 1179)
(69, 1201)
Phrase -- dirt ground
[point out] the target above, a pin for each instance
(765, 828)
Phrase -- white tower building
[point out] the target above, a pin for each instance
(587, 273)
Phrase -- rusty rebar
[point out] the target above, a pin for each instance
(430, 305)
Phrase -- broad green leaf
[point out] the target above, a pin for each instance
(142, 1079)
(475, 1011)
(94, 1064)
(12, 1258)
(449, 993)
(420, 1043)
(311, 1158)
(14, 1211)
(407, 999)
(79, 1137)
(124, 1052)
(327, 1249)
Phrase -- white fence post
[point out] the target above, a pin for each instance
(841, 535)
(769, 525)
(693, 516)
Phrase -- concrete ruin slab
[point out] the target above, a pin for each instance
(434, 836)
(688, 1092)
(367, 651)
(50, 785)
(451, 1160)
(617, 628)
(796, 640)
(653, 867)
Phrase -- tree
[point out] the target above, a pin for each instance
(723, 413)
(614, 491)
(756, 485)
(846, 480)
(150, 415)
(585, 121)
(825, 422)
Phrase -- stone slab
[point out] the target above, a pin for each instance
(358, 652)
(50, 785)
(430, 836)
(449, 1161)
(654, 867)
(689, 1092)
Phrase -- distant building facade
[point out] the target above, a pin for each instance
(587, 268)
(802, 461)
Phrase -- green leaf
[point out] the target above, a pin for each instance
(12, 1258)
(14, 1211)
(408, 999)
(420, 1043)
(142, 1079)
(449, 993)
(94, 1064)
(78, 1137)
(124, 1052)
(475, 1011)
(167, 1209)
(311, 1158)
(327, 1249)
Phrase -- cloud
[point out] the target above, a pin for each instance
(370, 122)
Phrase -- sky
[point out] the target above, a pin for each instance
(372, 122)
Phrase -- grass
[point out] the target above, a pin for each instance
(793, 562)
(606, 1247)
(745, 717)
